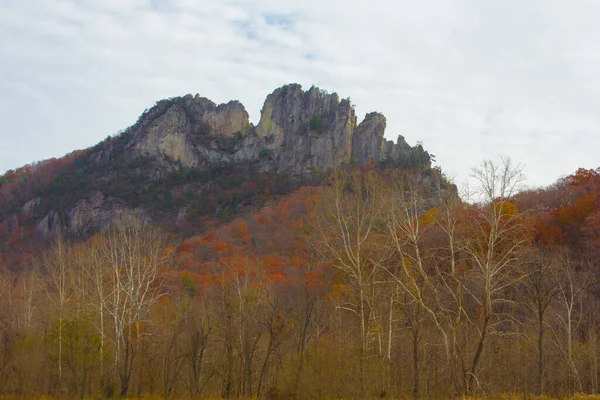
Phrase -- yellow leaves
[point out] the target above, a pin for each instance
(168, 251)
(430, 217)
(505, 209)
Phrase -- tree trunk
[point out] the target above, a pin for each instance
(477, 357)
(416, 366)
(540, 349)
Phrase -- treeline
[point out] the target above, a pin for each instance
(378, 283)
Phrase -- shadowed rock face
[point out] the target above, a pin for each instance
(299, 131)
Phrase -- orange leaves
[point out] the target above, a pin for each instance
(578, 211)
(242, 229)
(261, 219)
(191, 282)
(337, 290)
(270, 261)
(211, 237)
(275, 275)
(548, 235)
(221, 247)
(244, 232)
(189, 245)
(282, 210)
(257, 249)
(273, 269)
(584, 177)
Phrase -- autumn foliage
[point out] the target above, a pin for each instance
(377, 283)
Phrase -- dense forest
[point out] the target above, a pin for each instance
(375, 282)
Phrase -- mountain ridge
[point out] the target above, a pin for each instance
(187, 156)
(300, 129)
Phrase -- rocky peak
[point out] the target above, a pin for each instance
(299, 131)
(368, 138)
(225, 119)
(306, 130)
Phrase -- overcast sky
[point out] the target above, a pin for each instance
(470, 79)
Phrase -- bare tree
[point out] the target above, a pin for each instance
(486, 246)
(135, 254)
(346, 235)
(57, 269)
(426, 275)
(568, 313)
(497, 237)
(542, 289)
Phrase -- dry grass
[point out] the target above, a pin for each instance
(503, 396)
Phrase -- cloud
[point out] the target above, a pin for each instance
(469, 79)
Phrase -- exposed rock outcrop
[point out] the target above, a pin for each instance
(367, 141)
(299, 131)
(28, 209)
(304, 130)
(50, 225)
(98, 213)
(189, 132)
(167, 136)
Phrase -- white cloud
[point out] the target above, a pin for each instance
(470, 79)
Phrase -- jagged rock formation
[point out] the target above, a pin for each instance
(300, 133)
(98, 213)
(305, 130)
(180, 130)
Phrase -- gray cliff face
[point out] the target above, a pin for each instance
(299, 131)
(98, 213)
(168, 136)
(368, 140)
(91, 214)
(305, 130)
(224, 119)
(190, 132)
(50, 225)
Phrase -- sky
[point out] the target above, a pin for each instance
(471, 80)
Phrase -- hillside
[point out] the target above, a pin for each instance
(187, 161)
(373, 284)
